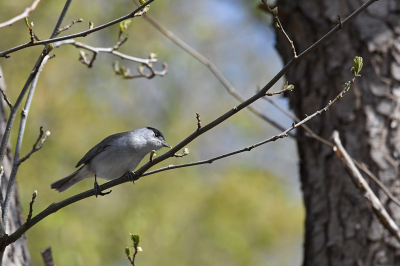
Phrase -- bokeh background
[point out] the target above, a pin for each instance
(243, 210)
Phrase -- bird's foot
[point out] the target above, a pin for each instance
(131, 176)
(97, 189)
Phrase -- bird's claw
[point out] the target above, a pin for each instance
(97, 189)
(131, 176)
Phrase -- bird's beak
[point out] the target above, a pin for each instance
(165, 144)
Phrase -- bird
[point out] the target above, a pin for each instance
(113, 157)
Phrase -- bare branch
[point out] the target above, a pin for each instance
(47, 257)
(21, 16)
(110, 50)
(35, 146)
(57, 206)
(28, 220)
(69, 25)
(274, 13)
(5, 98)
(80, 34)
(364, 188)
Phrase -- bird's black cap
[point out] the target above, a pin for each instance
(157, 132)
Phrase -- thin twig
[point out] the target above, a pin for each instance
(21, 16)
(47, 257)
(104, 50)
(286, 88)
(69, 25)
(5, 98)
(85, 33)
(364, 188)
(36, 147)
(89, 193)
(309, 131)
(275, 14)
(28, 220)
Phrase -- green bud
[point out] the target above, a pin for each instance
(127, 251)
(34, 194)
(123, 25)
(91, 25)
(140, 68)
(116, 66)
(289, 87)
(146, 8)
(153, 55)
(135, 240)
(142, 2)
(277, 25)
(357, 65)
(49, 47)
(185, 151)
(26, 22)
(275, 11)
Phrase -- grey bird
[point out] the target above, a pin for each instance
(114, 156)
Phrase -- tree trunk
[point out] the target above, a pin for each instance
(340, 226)
(17, 253)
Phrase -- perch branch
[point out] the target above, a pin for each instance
(57, 206)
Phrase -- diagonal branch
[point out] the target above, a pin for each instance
(364, 188)
(21, 16)
(135, 13)
(57, 206)
(5, 98)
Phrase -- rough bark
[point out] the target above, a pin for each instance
(340, 227)
(16, 254)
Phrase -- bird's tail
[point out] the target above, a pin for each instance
(67, 182)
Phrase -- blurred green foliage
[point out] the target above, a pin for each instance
(232, 212)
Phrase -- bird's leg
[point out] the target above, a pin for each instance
(97, 189)
(131, 176)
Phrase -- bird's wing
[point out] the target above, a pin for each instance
(99, 148)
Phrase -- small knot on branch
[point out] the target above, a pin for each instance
(198, 121)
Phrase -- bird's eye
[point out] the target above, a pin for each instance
(156, 135)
